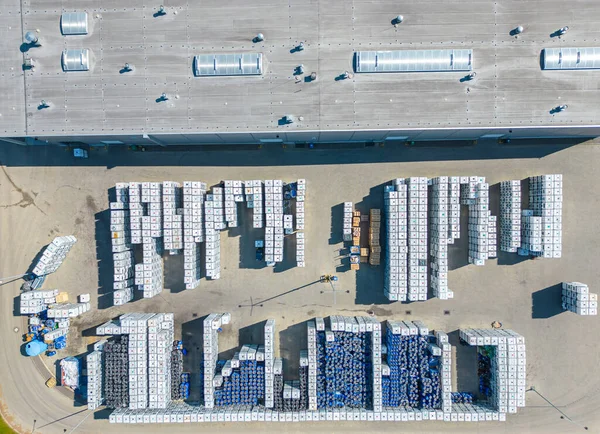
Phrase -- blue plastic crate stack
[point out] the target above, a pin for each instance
(414, 378)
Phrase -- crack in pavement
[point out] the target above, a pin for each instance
(26, 198)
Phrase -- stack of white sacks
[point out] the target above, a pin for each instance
(417, 237)
(269, 356)
(300, 251)
(274, 221)
(545, 201)
(193, 230)
(254, 199)
(347, 229)
(508, 366)
(396, 260)
(234, 193)
(510, 216)
(136, 326)
(54, 255)
(441, 235)
(577, 298)
(444, 344)
(160, 341)
(482, 232)
(172, 217)
(36, 301)
(213, 222)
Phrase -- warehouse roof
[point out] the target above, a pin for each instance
(510, 89)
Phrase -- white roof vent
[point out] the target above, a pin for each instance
(74, 23)
(76, 60)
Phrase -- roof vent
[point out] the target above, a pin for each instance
(31, 38)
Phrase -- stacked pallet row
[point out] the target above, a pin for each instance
(149, 274)
(136, 325)
(440, 234)
(446, 370)
(374, 327)
(234, 193)
(347, 228)
(193, 231)
(545, 201)
(172, 217)
(123, 236)
(160, 341)
(300, 220)
(213, 222)
(374, 231)
(475, 194)
(531, 234)
(510, 216)
(54, 255)
(274, 221)
(269, 362)
(254, 199)
(396, 260)
(211, 352)
(312, 365)
(506, 351)
(67, 310)
(577, 298)
(417, 237)
(95, 393)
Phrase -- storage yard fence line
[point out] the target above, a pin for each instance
(354, 368)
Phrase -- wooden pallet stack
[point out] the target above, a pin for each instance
(374, 230)
(356, 228)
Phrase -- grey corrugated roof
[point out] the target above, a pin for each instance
(76, 60)
(74, 23)
(228, 64)
(413, 61)
(571, 58)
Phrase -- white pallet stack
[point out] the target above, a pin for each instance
(253, 191)
(211, 352)
(68, 310)
(441, 232)
(193, 231)
(136, 212)
(371, 325)
(160, 341)
(510, 216)
(172, 217)
(508, 366)
(234, 193)
(446, 370)
(454, 208)
(396, 260)
(54, 255)
(300, 216)
(136, 326)
(301, 190)
(417, 237)
(274, 221)
(577, 298)
(347, 226)
(269, 350)
(122, 237)
(149, 275)
(475, 194)
(218, 199)
(36, 301)
(213, 215)
(531, 234)
(545, 200)
(95, 393)
(492, 236)
(312, 365)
